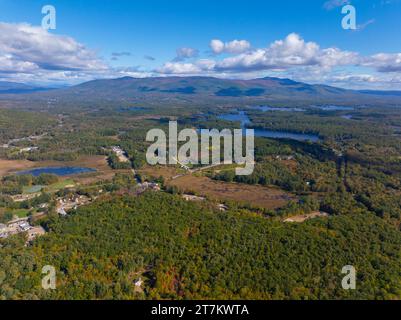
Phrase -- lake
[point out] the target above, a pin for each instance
(59, 171)
(133, 108)
(243, 118)
(267, 108)
(334, 108)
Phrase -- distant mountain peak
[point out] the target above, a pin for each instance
(125, 78)
(8, 87)
(198, 89)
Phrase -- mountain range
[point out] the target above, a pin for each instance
(203, 90)
(7, 87)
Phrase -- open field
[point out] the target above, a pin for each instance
(304, 217)
(166, 172)
(60, 185)
(32, 189)
(20, 213)
(260, 196)
(10, 166)
(266, 197)
(104, 172)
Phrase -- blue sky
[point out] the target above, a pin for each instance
(142, 38)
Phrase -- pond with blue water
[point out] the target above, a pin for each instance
(59, 171)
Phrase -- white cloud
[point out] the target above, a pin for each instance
(354, 78)
(291, 52)
(199, 67)
(295, 58)
(364, 81)
(25, 43)
(384, 62)
(235, 46)
(9, 64)
(186, 53)
(32, 54)
(179, 68)
(217, 46)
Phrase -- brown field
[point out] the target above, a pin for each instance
(304, 217)
(157, 171)
(290, 164)
(258, 196)
(104, 172)
(10, 166)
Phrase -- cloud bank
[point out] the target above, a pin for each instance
(31, 54)
(235, 46)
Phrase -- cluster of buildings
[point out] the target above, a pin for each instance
(190, 197)
(142, 187)
(31, 138)
(24, 197)
(281, 157)
(19, 226)
(28, 149)
(21, 150)
(70, 202)
(120, 153)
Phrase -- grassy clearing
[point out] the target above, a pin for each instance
(60, 185)
(265, 197)
(51, 188)
(32, 189)
(20, 213)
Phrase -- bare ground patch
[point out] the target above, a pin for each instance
(265, 197)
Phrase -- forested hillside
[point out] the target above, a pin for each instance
(184, 250)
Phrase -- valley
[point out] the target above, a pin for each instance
(326, 178)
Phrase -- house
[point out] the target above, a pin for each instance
(24, 226)
(222, 207)
(61, 211)
(189, 197)
(34, 232)
(120, 153)
(138, 283)
(149, 185)
(28, 149)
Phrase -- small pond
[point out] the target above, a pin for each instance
(59, 171)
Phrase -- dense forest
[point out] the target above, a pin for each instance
(189, 251)
(184, 250)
